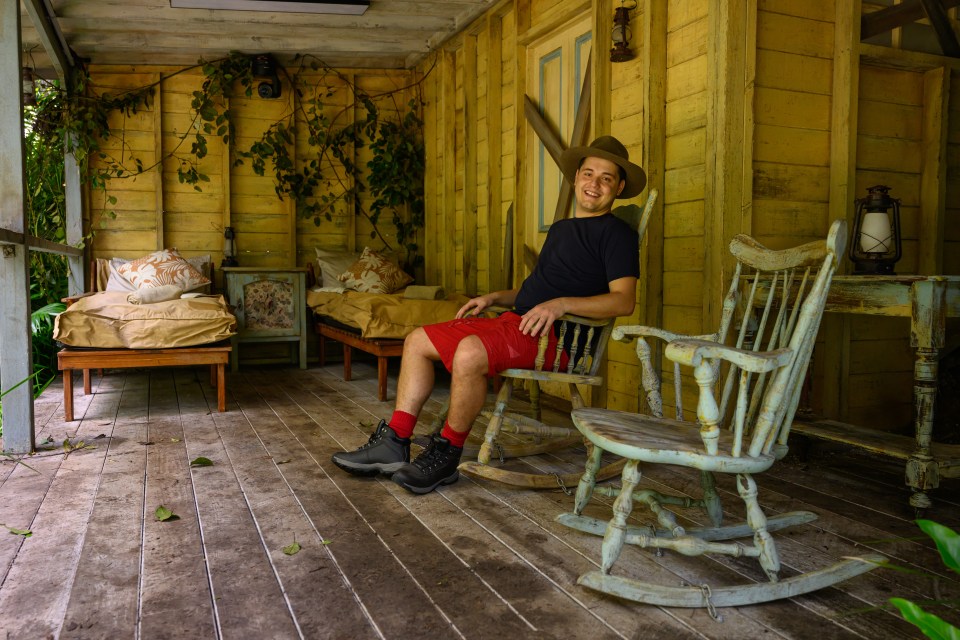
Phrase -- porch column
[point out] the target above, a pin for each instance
(16, 361)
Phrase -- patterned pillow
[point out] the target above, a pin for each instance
(373, 273)
(160, 268)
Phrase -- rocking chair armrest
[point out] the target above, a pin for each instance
(569, 317)
(626, 333)
(691, 352)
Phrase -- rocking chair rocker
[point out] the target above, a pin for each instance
(784, 293)
(585, 358)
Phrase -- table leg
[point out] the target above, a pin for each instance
(347, 362)
(322, 341)
(68, 395)
(927, 330)
(86, 382)
(221, 388)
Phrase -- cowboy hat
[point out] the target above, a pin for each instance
(608, 148)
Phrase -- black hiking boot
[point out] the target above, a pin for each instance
(385, 452)
(436, 465)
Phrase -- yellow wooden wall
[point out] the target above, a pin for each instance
(155, 210)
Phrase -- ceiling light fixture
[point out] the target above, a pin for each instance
(347, 7)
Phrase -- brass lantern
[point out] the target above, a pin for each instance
(875, 244)
(621, 51)
(229, 248)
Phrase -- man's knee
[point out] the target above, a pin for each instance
(418, 343)
(471, 357)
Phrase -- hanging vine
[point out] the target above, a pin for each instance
(325, 185)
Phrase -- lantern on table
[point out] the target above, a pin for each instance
(229, 248)
(875, 243)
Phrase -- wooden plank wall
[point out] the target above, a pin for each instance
(155, 210)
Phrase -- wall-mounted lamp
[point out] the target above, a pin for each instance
(875, 243)
(621, 51)
(229, 249)
(29, 91)
(265, 68)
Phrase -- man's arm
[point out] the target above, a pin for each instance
(619, 301)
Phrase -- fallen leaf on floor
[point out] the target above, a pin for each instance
(292, 549)
(326, 541)
(287, 461)
(26, 533)
(200, 461)
(165, 515)
(174, 439)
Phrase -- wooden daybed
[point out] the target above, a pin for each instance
(103, 330)
(70, 359)
(375, 323)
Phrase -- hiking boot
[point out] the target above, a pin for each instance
(385, 452)
(436, 465)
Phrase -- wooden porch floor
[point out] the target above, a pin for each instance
(471, 560)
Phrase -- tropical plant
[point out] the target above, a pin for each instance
(932, 626)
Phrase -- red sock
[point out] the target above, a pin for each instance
(403, 423)
(456, 438)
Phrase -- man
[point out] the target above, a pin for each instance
(589, 267)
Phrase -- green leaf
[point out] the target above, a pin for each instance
(931, 625)
(947, 541)
(165, 515)
(200, 461)
(292, 549)
(26, 533)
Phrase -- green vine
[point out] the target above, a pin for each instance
(326, 184)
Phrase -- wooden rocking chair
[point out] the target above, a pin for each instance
(781, 297)
(588, 338)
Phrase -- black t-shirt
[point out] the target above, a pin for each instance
(580, 257)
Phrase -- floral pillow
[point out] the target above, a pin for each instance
(373, 273)
(160, 268)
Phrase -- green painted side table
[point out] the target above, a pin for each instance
(270, 305)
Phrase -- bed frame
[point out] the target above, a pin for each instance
(381, 348)
(69, 359)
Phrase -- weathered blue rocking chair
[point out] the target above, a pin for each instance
(584, 369)
(780, 296)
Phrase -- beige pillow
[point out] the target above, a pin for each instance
(331, 263)
(162, 268)
(373, 273)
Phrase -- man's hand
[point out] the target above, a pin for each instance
(475, 305)
(539, 320)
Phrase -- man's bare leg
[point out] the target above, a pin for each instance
(416, 372)
(468, 383)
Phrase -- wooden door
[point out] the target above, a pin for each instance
(555, 69)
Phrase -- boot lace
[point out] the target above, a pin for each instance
(435, 455)
(376, 436)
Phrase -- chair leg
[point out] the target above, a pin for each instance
(589, 479)
(711, 499)
(496, 421)
(769, 558)
(68, 395)
(622, 506)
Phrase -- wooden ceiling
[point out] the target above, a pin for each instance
(391, 34)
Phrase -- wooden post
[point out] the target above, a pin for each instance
(448, 88)
(843, 181)
(158, 154)
(933, 180)
(73, 195)
(16, 361)
(495, 268)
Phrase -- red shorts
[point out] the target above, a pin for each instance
(506, 347)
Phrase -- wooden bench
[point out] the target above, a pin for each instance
(381, 348)
(69, 359)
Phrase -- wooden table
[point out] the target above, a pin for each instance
(928, 301)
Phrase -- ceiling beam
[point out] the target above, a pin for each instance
(873, 24)
(941, 25)
(51, 38)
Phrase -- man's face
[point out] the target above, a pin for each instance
(597, 185)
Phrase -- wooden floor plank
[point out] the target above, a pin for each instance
(318, 594)
(42, 574)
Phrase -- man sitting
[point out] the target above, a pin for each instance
(589, 267)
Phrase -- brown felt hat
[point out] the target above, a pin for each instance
(608, 148)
